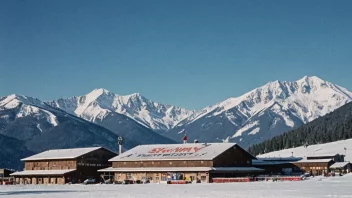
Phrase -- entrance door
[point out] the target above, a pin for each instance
(203, 179)
(40, 180)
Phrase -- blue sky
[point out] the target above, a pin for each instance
(190, 53)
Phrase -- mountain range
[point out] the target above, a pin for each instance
(264, 112)
(98, 104)
(100, 116)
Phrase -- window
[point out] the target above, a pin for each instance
(201, 162)
(170, 162)
(184, 162)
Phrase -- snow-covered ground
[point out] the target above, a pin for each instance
(317, 187)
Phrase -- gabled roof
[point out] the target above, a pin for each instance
(61, 154)
(339, 165)
(196, 151)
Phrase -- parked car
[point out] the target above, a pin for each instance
(89, 181)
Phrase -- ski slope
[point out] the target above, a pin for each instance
(318, 149)
(317, 187)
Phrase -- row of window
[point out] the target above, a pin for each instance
(314, 168)
(202, 162)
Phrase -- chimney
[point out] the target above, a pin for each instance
(184, 139)
(119, 142)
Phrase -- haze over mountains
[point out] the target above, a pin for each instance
(98, 117)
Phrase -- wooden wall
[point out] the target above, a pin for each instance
(50, 165)
(317, 167)
(233, 157)
(164, 163)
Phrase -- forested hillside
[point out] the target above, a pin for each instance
(334, 126)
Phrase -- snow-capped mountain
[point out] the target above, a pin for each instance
(264, 112)
(42, 126)
(96, 105)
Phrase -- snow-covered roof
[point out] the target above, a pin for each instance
(313, 161)
(323, 155)
(261, 162)
(338, 147)
(184, 169)
(339, 165)
(61, 154)
(194, 151)
(42, 172)
(279, 158)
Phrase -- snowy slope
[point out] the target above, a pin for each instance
(27, 106)
(318, 149)
(34, 121)
(97, 104)
(40, 126)
(264, 112)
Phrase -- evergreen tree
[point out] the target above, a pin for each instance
(329, 128)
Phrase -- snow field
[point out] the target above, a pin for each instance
(317, 187)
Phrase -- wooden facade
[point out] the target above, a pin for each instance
(161, 170)
(83, 167)
(233, 157)
(164, 163)
(316, 168)
(51, 165)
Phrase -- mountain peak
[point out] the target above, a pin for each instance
(16, 99)
(135, 95)
(310, 79)
(100, 91)
(96, 93)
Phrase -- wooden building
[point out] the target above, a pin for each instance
(278, 165)
(192, 162)
(5, 175)
(4, 172)
(341, 167)
(64, 165)
(314, 166)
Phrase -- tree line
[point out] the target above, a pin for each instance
(332, 127)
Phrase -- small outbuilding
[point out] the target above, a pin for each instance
(341, 167)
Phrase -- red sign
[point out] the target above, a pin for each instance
(176, 150)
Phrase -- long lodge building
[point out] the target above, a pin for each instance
(200, 162)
